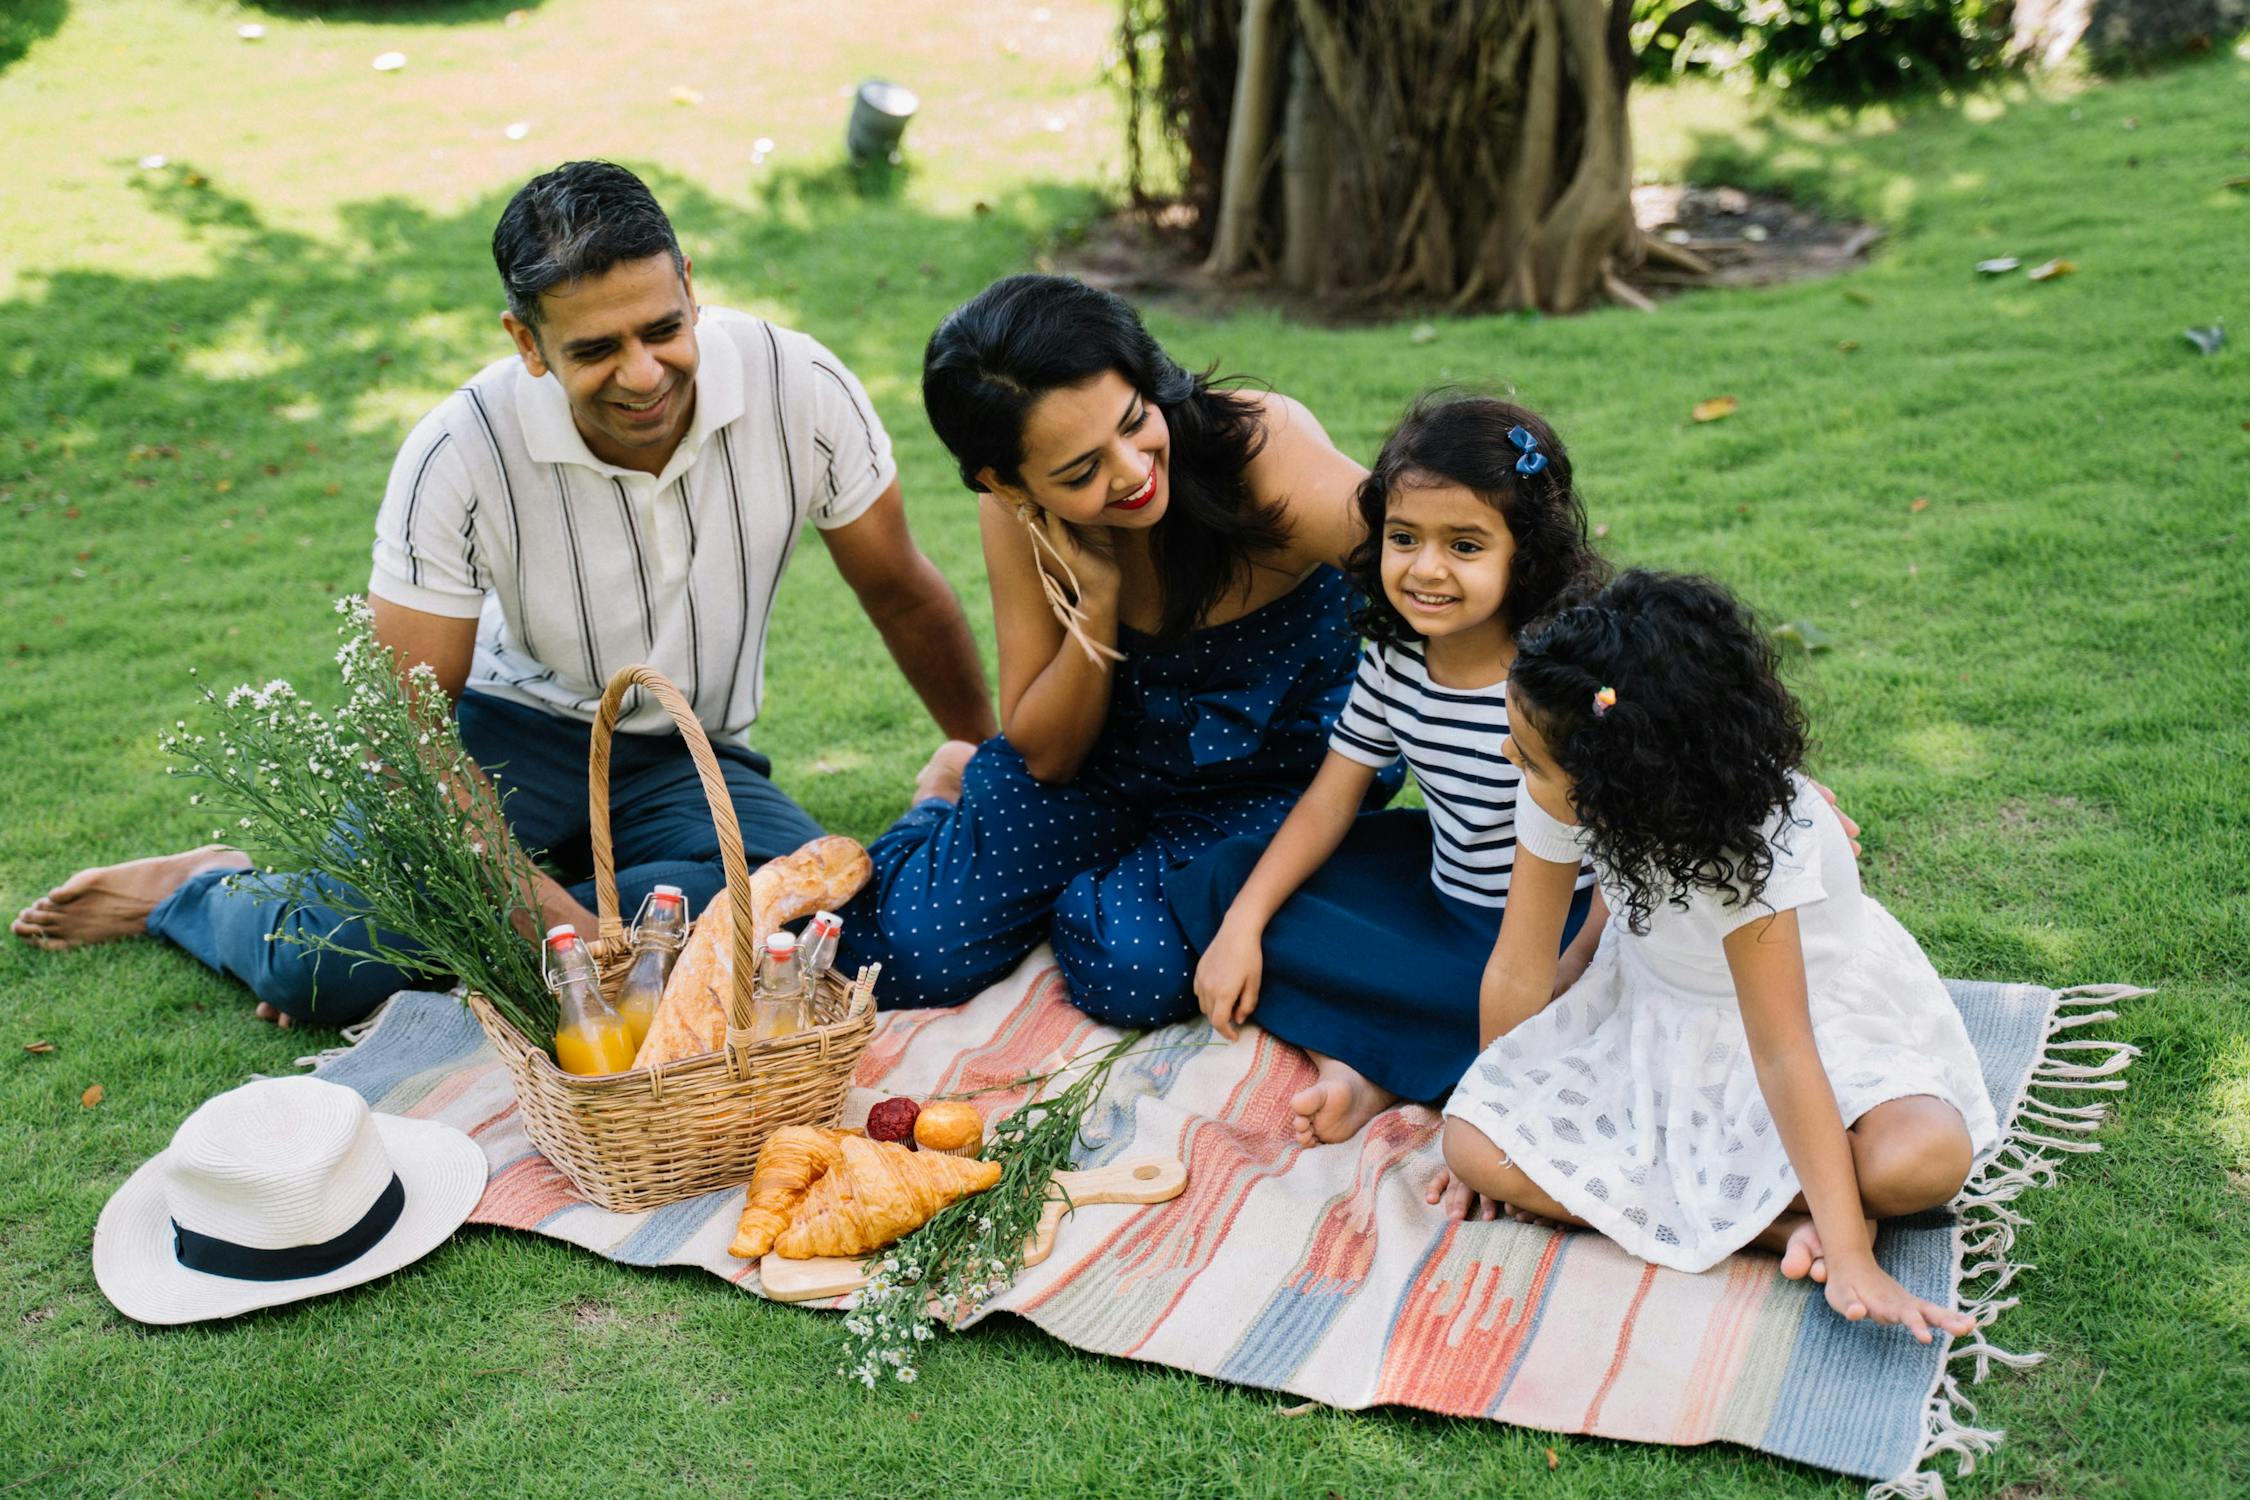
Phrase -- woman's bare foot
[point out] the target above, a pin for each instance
(108, 902)
(1338, 1104)
(940, 777)
(278, 1017)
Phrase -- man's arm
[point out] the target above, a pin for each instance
(917, 615)
(449, 646)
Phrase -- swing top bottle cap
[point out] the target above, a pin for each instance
(668, 893)
(561, 934)
(781, 944)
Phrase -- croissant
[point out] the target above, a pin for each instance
(880, 1192)
(792, 1158)
(692, 1017)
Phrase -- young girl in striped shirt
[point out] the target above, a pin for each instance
(1365, 938)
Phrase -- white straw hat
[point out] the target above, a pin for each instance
(276, 1191)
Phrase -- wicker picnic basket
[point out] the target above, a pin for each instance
(641, 1139)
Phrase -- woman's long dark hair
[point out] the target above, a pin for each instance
(1677, 781)
(995, 355)
(1448, 437)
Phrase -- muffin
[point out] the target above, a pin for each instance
(952, 1126)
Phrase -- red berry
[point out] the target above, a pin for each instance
(893, 1120)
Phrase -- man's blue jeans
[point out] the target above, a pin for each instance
(660, 829)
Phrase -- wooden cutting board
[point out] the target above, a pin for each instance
(1123, 1182)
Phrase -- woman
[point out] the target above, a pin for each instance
(1174, 640)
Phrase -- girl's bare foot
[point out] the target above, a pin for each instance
(940, 777)
(1798, 1242)
(108, 902)
(1453, 1195)
(1338, 1104)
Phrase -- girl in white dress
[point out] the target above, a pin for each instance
(1758, 1052)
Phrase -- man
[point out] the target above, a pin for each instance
(627, 489)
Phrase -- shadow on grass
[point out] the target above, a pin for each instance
(25, 22)
(394, 12)
(209, 447)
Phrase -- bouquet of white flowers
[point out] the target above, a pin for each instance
(374, 809)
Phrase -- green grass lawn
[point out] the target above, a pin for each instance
(2035, 700)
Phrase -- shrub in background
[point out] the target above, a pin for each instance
(1848, 50)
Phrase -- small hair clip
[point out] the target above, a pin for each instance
(1533, 460)
(1605, 699)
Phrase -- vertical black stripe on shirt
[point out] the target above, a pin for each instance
(578, 579)
(640, 566)
(827, 507)
(694, 627)
(515, 522)
(413, 499)
(867, 427)
(742, 564)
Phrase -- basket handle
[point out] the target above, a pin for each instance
(722, 816)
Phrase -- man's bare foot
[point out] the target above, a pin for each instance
(1798, 1242)
(108, 902)
(1338, 1104)
(940, 776)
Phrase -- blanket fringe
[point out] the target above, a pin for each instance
(353, 1035)
(2043, 1121)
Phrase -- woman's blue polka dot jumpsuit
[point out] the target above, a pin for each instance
(1208, 737)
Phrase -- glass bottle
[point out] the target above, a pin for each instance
(777, 997)
(590, 1036)
(658, 933)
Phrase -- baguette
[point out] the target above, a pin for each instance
(692, 1018)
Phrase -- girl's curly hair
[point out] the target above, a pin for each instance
(1448, 437)
(1678, 780)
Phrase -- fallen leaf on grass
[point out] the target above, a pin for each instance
(1804, 635)
(1300, 1409)
(38, 1046)
(2051, 270)
(1423, 333)
(2210, 340)
(1714, 409)
(92, 1096)
(1919, 504)
(1603, 529)
(1999, 265)
(1554, 1460)
(1847, 346)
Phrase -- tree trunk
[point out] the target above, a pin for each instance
(1477, 152)
(1249, 137)
(1305, 164)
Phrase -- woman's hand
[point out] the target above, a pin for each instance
(1226, 981)
(1094, 568)
(1859, 1289)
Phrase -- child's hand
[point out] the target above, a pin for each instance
(1226, 981)
(1858, 1288)
(1851, 829)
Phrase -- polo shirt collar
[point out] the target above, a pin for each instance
(552, 437)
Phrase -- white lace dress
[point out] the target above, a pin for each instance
(1633, 1101)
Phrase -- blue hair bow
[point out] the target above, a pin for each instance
(1533, 460)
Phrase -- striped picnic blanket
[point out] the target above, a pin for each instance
(1325, 1274)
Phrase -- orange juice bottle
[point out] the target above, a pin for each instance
(590, 1037)
(658, 934)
